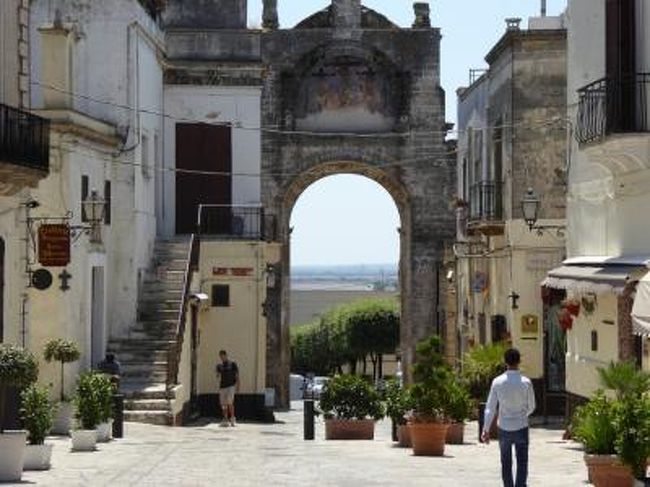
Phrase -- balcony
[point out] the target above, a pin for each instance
(486, 208)
(228, 222)
(613, 106)
(24, 149)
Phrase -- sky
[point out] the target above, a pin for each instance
(344, 219)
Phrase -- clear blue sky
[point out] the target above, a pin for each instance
(342, 219)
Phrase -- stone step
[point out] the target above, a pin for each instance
(146, 405)
(133, 389)
(158, 314)
(167, 265)
(128, 367)
(161, 418)
(170, 252)
(140, 355)
(144, 374)
(159, 303)
(130, 344)
(166, 276)
(162, 291)
(152, 334)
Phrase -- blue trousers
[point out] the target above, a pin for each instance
(519, 439)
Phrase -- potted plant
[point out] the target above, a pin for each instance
(398, 406)
(632, 425)
(65, 352)
(88, 411)
(18, 369)
(105, 390)
(429, 422)
(594, 427)
(459, 407)
(351, 407)
(37, 414)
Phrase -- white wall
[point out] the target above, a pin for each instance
(193, 104)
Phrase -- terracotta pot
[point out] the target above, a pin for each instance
(428, 438)
(349, 429)
(456, 434)
(608, 471)
(404, 436)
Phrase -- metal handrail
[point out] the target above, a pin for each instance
(24, 138)
(237, 222)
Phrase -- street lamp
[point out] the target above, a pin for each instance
(530, 204)
(94, 208)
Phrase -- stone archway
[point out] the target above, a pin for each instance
(347, 92)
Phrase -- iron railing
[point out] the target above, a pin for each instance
(24, 138)
(236, 222)
(613, 106)
(486, 201)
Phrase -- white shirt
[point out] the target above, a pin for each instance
(515, 397)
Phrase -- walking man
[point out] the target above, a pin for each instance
(514, 396)
(228, 384)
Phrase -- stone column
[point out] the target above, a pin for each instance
(270, 15)
(422, 15)
(347, 14)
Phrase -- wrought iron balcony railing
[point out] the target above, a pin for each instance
(613, 106)
(24, 139)
(231, 222)
(486, 201)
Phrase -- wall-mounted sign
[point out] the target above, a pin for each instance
(529, 325)
(233, 271)
(479, 282)
(42, 279)
(54, 245)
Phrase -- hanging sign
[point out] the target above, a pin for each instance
(54, 245)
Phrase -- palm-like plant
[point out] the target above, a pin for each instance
(625, 379)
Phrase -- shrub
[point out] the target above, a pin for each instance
(18, 368)
(432, 376)
(593, 425)
(398, 402)
(105, 391)
(625, 379)
(63, 351)
(351, 397)
(37, 413)
(631, 420)
(480, 366)
(458, 402)
(88, 401)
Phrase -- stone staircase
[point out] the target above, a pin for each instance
(143, 353)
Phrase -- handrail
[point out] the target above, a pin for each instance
(24, 138)
(175, 351)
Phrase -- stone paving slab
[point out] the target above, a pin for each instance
(276, 455)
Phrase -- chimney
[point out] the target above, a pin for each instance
(270, 15)
(422, 15)
(513, 24)
(543, 8)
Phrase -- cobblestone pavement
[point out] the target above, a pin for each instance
(276, 455)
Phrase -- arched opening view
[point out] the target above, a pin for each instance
(345, 286)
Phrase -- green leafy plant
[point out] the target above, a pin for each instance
(37, 413)
(398, 402)
(480, 366)
(458, 403)
(18, 369)
(625, 379)
(632, 424)
(593, 425)
(88, 401)
(105, 389)
(432, 376)
(63, 351)
(350, 397)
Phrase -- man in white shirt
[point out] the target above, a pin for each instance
(514, 396)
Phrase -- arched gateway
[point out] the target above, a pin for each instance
(347, 91)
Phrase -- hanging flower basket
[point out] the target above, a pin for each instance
(565, 320)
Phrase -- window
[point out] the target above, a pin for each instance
(107, 202)
(594, 341)
(144, 157)
(220, 296)
(85, 191)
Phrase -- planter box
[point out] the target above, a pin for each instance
(38, 457)
(12, 455)
(63, 419)
(105, 432)
(428, 438)
(608, 471)
(353, 429)
(456, 434)
(404, 436)
(84, 440)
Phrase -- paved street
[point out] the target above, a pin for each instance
(276, 455)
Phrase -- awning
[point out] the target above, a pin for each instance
(596, 279)
(641, 308)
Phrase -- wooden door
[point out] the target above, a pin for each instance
(201, 150)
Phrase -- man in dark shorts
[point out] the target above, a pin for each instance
(229, 382)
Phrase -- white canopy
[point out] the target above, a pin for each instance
(641, 308)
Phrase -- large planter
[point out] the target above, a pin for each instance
(84, 440)
(349, 429)
(404, 436)
(608, 471)
(38, 457)
(105, 432)
(456, 434)
(63, 419)
(12, 455)
(428, 439)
